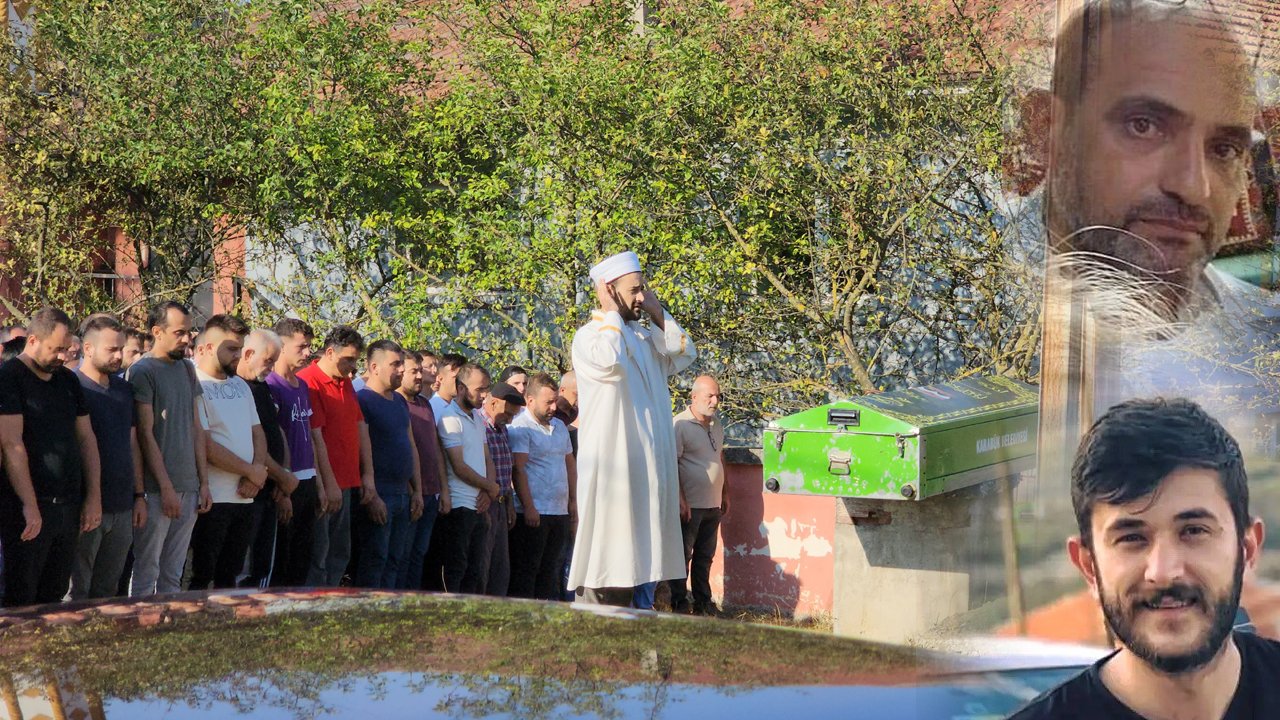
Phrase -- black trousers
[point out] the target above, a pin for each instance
(700, 534)
(219, 543)
(535, 557)
(39, 570)
(462, 533)
(293, 540)
(262, 547)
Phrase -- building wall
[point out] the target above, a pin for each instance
(776, 551)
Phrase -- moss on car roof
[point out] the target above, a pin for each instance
(315, 644)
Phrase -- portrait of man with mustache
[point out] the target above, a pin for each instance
(1161, 500)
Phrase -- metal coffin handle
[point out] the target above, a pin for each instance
(839, 461)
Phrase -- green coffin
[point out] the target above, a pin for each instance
(905, 445)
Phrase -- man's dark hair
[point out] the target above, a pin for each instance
(539, 381)
(413, 355)
(343, 336)
(511, 371)
(423, 354)
(46, 320)
(133, 333)
(289, 327)
(453, 360)
(160, 313)
(468, 369)
(382, 346)
(98, 322)
(12, 348)
(229, 324)
(1138, 443)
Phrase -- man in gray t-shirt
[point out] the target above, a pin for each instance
(165, 392)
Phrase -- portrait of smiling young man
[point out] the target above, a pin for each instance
(1162, 503)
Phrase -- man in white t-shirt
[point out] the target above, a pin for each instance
(545, 477)
(446, 382)
(237, 455)
(472, 481)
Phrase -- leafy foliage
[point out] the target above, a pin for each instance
(811, 185)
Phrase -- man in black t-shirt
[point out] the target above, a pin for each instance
(49, 489)
(1162, 504)
(103, 551)
(273, 504)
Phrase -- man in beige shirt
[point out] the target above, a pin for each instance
(703, 501)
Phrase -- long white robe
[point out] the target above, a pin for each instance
(628, 487)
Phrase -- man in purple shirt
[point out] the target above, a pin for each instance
(418, 378)
(294, 541)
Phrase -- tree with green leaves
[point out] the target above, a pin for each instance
(811, 186)
(121, 115)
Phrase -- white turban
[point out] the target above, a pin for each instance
(612, 268)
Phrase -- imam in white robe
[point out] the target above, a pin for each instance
(628, 487)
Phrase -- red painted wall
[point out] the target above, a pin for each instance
(776, 551)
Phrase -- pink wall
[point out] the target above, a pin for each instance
(776, 551)
(228, 264)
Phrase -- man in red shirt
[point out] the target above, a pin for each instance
(336, 414)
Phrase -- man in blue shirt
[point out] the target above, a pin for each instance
(386, 520)
(101, 555)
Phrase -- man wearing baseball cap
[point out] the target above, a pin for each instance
(502, 404)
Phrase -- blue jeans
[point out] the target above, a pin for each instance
(385, 546)
(411, 578)
(642, 596)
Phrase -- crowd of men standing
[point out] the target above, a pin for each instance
(142, 462)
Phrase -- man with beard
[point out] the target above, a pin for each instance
(1162, 504)
(100, 559)
(345, 439)
(1150, 141)
(135, 342)
(237, 456)
(166, 399)
(274, 505)
(420, 374)
(472, 479)
(49, 491)
(628, 489)
(545, 477)
(394, 502)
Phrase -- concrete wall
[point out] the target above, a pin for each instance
(903, 569)
(883, 570)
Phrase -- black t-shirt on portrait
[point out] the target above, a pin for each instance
(49, 409)
(1085, 696)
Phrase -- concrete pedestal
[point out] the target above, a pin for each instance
(903, 568)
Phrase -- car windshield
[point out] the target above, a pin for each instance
(991, 695)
